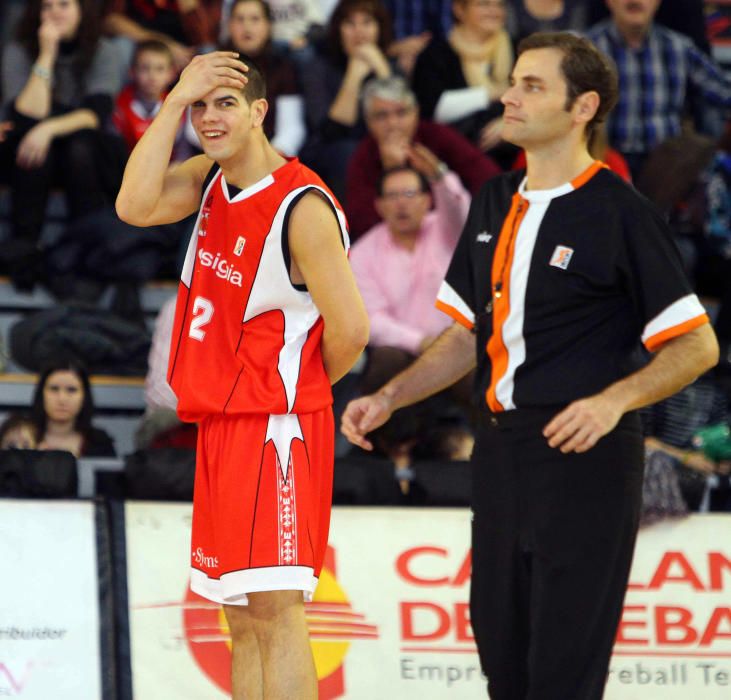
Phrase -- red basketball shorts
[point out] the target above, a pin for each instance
(261, 505)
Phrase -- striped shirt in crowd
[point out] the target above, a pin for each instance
(653, 85)
(412, 17)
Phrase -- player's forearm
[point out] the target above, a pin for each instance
(341, 349)
(678, 363)
(447, 360)
(144, 175)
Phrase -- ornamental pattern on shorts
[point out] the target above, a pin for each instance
(287, 515)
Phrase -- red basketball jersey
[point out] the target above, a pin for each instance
(245, 339)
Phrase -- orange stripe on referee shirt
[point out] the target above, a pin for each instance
(502, 265)
(655, 342)
(456, 315)
(589, 173)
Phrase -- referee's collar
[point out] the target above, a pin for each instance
(548, 195)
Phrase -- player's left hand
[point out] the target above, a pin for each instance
(33, 148)
(582, 423)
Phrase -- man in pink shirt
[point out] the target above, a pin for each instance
(399, 265)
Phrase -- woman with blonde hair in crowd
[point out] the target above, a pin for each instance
(459, 80)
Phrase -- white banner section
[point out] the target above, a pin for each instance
(390, 617)
(49, 601)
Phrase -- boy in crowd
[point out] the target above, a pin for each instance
(152, 72)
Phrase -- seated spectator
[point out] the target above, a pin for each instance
(59, 79)
(399, 265)
(296, 24)
(528, 16)
(184, 25)
(670, 427)
(358, 34)
(152, 71)
(460, 79)
(392, 117)
(18, 432)
(647, 54)
(62, 410)
(415, 24)
(250, 33)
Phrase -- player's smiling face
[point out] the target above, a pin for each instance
(224, 120)
(535, 103)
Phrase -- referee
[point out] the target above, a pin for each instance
(565, 282)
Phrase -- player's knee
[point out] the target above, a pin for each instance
(239, 620)
(267, 606)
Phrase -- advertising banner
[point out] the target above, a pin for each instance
(390, 617)
(49, 601)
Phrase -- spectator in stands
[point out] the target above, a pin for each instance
(18, 432)
(152, 71)
(415, 24)
(59, 78)
(62, 410)
(528, 16)
(358, 34)
(399, 265)
(459, 80)
(392, 117)
(250, 33)
(656, 67)
(684, 16)
(184, 25)
(296, 24)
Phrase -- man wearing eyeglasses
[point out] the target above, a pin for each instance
(399, 264)
(394, 129)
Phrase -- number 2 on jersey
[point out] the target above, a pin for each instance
(202, 313)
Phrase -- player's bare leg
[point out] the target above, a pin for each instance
(278, 621)
(246, 677)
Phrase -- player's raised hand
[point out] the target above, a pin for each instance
(363, 415)
(207, 72)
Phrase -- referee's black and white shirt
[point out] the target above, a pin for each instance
(563, 287)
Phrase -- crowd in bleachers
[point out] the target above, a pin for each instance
(397, 105)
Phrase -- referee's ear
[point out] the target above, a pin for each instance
(585, 107)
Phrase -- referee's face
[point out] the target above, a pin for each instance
(535, 103)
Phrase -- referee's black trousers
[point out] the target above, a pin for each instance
(553, 537)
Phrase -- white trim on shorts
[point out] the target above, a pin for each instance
(231, 588)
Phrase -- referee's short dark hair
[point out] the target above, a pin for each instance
(256, 87)
(585, 69)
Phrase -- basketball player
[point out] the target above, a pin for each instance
(560, 277)
(267, 317)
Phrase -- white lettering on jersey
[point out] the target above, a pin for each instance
(200, 558)
(561, 257)
(222, 267)
(239, 247)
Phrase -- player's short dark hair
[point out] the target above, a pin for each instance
(423, 182)
(256, 87)
(153, 46)
(585, 69)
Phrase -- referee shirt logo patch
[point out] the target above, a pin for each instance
(561, 257)
(483, 237)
